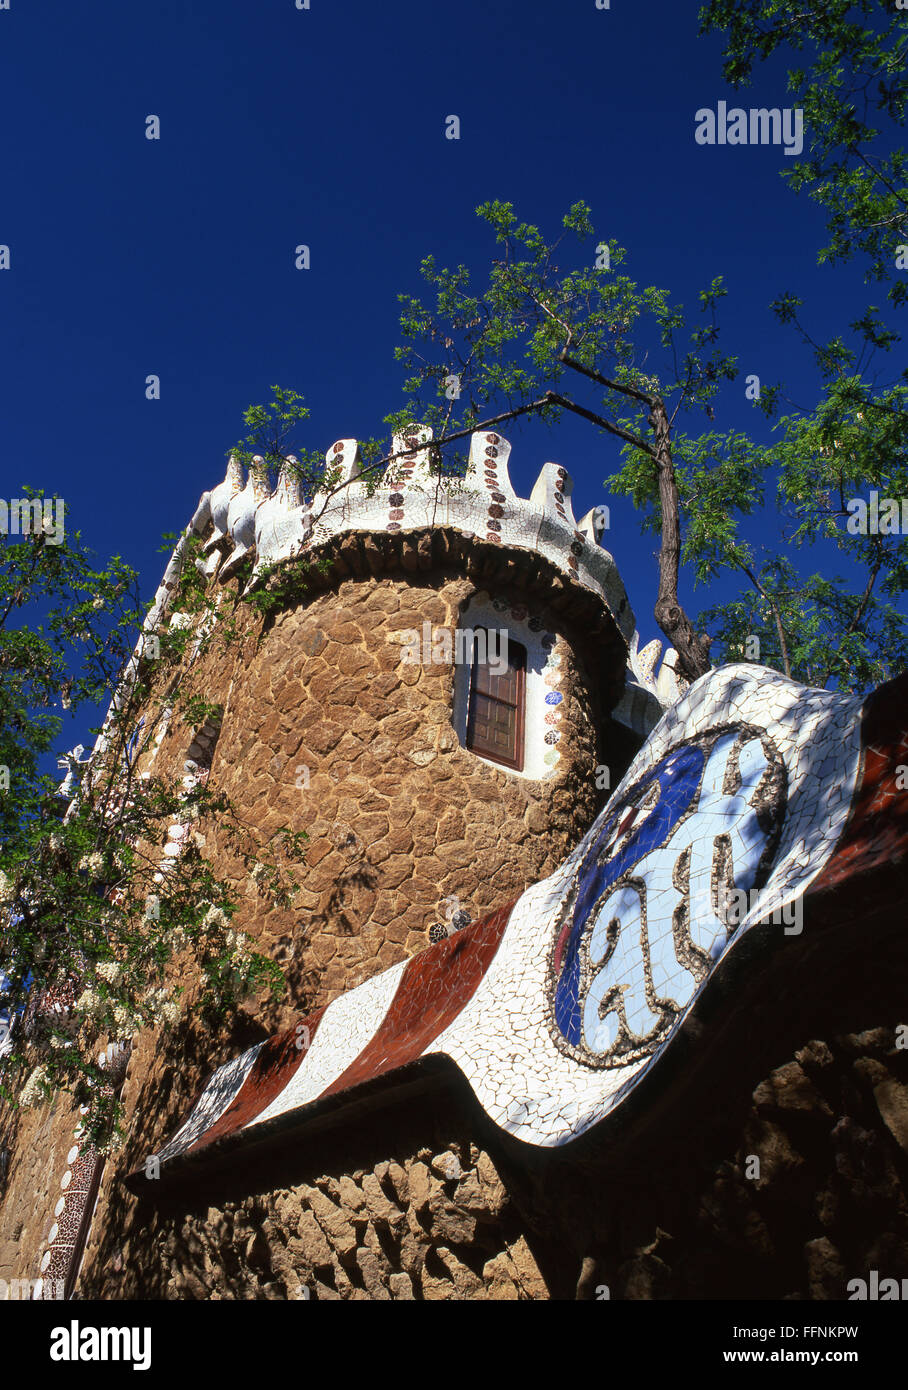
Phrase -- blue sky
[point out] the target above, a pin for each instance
(326, 127)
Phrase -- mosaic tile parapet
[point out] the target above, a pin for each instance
(215, 505)
(487, 468)
(241, 520)
(281, 519)
(556, 1007)
(411, 497)
(241, 515)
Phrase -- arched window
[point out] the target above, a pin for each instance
(508, 701)
(496, 709)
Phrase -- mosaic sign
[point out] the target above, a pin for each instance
(655, 896)
(757, 808)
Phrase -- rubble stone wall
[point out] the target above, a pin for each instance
(326, 730)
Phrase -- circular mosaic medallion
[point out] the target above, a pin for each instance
(664, 883)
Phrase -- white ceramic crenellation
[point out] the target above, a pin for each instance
(219, 503)
(669, 684)
(241, 515)
(489, 494)
(414, 464)
(551, 496)
(645, 661)
(341, 496)
(202, 514)
(282, 521)
(288, 493)
(411, 497)
(592, 525)
(665, 682)
(490, 453)
(648, 693)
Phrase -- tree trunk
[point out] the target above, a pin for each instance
(693, 650)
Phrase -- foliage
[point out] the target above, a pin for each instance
(100, 921)
(849, 80)
(558, 327)
(550, 314)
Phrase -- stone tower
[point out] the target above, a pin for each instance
(349, 712)
(333, 725)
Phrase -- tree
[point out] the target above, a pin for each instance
(537, 334)
(103, 898)
(540, 325)
(556, 315)
(851, 58)
(849, 79)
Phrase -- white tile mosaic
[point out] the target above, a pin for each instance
(343, 1032)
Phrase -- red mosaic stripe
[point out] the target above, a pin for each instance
(873, 848)
(277, 1061)
(434, 988)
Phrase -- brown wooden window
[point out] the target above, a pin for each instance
(496, 707)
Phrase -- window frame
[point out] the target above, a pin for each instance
(515, 764)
